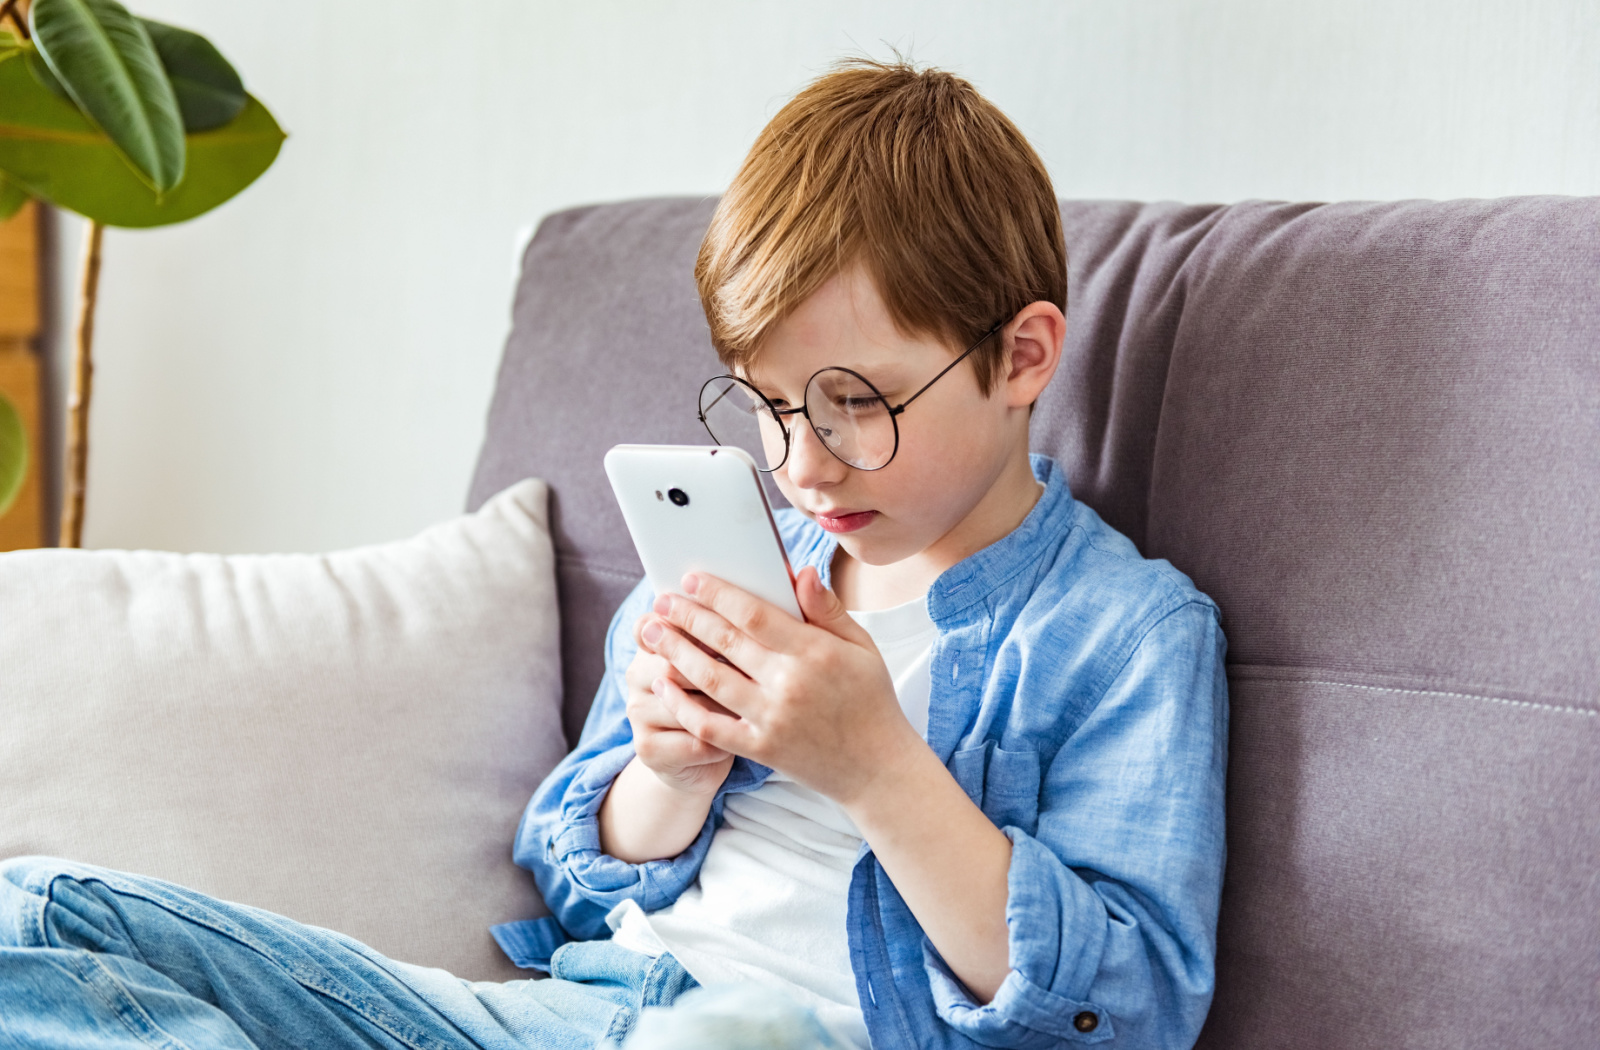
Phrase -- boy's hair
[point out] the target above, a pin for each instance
(908, 173)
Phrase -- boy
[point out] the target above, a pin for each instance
(982, 808)
(824, 812)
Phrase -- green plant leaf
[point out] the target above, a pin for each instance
(209, 90)
(41, 73)
(13, 454)
(12, 197)
(104, 58)
(52, 150)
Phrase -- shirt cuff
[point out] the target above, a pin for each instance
(1022, 1016)
(599, 877)
(1056, 930)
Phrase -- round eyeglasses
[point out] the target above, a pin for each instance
(851, 419)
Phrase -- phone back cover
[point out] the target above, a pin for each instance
(725, 529)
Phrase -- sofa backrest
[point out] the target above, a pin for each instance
(1372, 433)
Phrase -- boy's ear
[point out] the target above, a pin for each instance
(1033, 341)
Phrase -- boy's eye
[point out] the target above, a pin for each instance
(853, 404)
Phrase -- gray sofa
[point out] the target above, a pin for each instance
(1372, 433)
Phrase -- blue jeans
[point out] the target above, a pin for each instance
(90, 957)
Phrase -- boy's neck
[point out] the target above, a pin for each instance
(863, 587)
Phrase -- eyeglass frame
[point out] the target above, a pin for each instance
(801, 409)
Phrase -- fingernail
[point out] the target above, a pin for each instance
(652, 632)
(663, 605)
(691, 583)
(659, 686)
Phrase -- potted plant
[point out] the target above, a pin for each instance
(127, 122)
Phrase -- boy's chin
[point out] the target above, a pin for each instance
(873, 550)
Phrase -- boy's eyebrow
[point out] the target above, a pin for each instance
(887, 377)
(762, 385)
(748, 377)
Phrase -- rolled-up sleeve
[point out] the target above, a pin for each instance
(1112, 901)
(559, 837)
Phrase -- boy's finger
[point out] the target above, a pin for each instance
(824, 609)
(651, 712)
(638, 633)
(714, 635)
(648, 667)
(767, 624)
(679, 747)
(696, 694)
(705, 719)
(720, 681)
(646, 646)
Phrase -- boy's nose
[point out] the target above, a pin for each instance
(810, 464)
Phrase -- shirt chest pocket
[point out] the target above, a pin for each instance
(1004, 784)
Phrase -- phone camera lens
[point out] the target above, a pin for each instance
(678, 497)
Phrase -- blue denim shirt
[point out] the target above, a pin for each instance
(1079, 698)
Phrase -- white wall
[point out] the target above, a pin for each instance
(309, 366)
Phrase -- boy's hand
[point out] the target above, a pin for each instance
(812, 699)
(815, 700)
(681, 760)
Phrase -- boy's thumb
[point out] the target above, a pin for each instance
(821, 606)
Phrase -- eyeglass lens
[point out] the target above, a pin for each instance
(736, 415)
(850, 419)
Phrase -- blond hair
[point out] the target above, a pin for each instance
(908, 173)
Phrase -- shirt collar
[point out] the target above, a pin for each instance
(977, 576)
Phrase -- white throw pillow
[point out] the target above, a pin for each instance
(348, 739)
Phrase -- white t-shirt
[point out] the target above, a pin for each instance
(769, 904)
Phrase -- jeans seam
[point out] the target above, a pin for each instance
(655, 976)
(619, 1026)
(98, 978)
(381, 1019)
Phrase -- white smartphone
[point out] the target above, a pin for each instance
(698, 508)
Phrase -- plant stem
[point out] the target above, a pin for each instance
(82, 382)
(18, 18)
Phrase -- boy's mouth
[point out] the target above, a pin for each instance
(846, 522)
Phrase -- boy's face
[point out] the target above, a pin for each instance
(955, 443)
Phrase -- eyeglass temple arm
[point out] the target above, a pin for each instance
(713, 404)
(981, 340)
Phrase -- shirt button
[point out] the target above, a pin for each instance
(1086, 1022)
